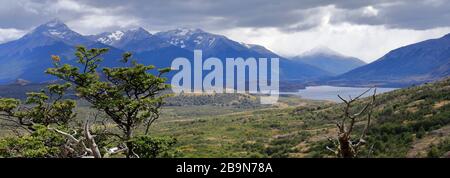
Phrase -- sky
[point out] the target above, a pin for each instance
(366, 29)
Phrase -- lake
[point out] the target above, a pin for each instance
(330, 92)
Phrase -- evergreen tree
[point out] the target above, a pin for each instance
(130, 96)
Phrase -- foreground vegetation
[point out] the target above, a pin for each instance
(411, 122)
(125, 98)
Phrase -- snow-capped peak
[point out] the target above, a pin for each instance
(54, 23)
(51, 32)
(54, 26)
(55, 29)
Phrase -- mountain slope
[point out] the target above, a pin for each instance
(413, 64)
(329, 60)
(47, 34)
(219, 46)
(29, 57)
(403, 123)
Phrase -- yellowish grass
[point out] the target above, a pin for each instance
(441, 104)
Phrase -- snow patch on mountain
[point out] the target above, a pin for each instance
(111, 38)
(117, 38)
(189, 38)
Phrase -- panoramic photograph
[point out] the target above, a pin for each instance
(224, 79)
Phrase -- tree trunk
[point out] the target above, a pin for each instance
(129, 144)
(346, 149)
(91, 142)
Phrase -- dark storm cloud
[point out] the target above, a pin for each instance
(225, 13)
(408, 14)
(294, 15)
(13, 14)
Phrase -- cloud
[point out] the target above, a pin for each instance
(10, 34)
(407, 14)
(370, 11)
(215, 14)
(366, 29)
(26, 14)
(367, 42)
(102, 23)
(226, 14)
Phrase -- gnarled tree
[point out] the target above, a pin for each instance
(129, 96)
(84, 145)
(347, 144)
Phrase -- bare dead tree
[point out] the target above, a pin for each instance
(85, 146)
(345, 146)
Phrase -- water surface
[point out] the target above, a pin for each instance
(330, 92)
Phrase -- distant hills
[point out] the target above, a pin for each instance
(329, 60)
(412, 64)
(27, 58)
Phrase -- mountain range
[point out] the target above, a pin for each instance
(28, 57)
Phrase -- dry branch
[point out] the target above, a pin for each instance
(345, 147)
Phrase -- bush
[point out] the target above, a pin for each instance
(151, 147)
(40, 144)
(421, 133)
(440, 149)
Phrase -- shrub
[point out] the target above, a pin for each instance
(151, 147)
